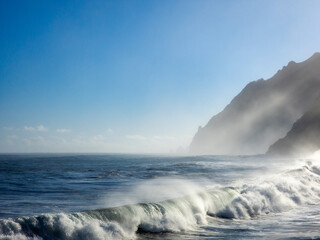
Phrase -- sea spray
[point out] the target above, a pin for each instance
(121, 222)
(279, 193)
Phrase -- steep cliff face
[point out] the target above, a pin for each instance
(303, 138)
(263, 112)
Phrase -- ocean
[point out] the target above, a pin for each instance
(119, 196)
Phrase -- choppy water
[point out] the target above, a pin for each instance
(158, 197)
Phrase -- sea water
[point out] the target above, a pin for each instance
(117, 196)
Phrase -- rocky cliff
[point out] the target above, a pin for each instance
(262, 113)
(304, 136)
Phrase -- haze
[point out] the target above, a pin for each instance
(136, 76)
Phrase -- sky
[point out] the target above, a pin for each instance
(136, 76)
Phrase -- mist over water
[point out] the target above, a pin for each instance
(264, 112)
(156, 197)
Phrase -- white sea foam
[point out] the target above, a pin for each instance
(281, 192)
(276, 194)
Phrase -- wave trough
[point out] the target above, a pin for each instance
(279, 193)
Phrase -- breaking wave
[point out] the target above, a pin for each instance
(279, 193)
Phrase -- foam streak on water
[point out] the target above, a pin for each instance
(266, 202)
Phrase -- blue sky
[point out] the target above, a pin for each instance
(136, 76)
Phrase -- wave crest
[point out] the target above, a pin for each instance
(276, 194)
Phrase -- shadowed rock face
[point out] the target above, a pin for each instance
(263, 112)
(304, 137)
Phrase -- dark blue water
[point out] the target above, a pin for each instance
(34, 184)
(199, 197)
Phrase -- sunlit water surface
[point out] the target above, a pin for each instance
(51, 196)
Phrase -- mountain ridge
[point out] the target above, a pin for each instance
(262, 113)
(304, 136)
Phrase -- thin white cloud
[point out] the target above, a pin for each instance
(39, 128)
(11, 139)
(136, 137)
(109, 130)
(36, 141)
(29, 128)
(98, 138)
(63, 130)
